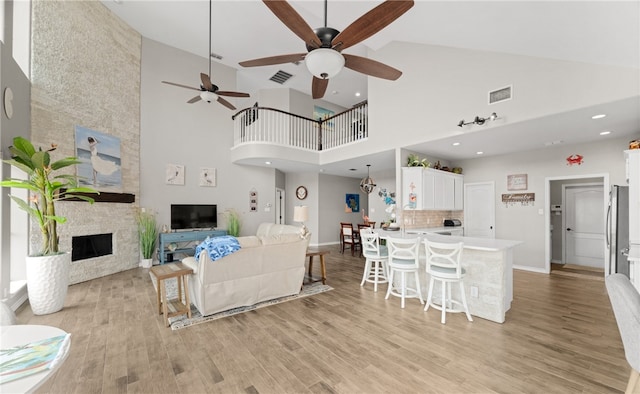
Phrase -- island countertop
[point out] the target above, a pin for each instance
(488, 244)
(489, 270)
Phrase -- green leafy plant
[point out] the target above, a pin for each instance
(45, 188)
(148, 232)
(233, 222)
(413, 160)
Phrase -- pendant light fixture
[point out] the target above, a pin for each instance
(367, 184)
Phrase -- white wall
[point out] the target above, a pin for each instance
(194, 135)
(524, 222)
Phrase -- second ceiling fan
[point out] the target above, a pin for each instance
(325, 44)
(209, 91)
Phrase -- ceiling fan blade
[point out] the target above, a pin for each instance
(268, 61)
(293, 21)
(225, 103)
(182, 86)
(371, 23)
(194, 100)
(371, 67)
(318, 87)
(231, 94)
(206, 82)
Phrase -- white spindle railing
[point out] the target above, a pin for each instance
(268, 125)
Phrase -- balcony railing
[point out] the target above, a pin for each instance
(273, 126)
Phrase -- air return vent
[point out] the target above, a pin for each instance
(501, 94)
(281, 77)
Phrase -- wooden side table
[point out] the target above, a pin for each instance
(315, 252)
(173, 307)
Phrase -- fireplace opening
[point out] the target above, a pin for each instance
(89, 246)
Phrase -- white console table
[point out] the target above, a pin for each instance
(183, 237)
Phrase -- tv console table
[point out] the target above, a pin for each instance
(183, 237)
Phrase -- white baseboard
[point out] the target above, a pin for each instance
(530, 269)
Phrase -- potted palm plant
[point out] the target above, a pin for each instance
(233, 222)
(148, 233)
(48, 268)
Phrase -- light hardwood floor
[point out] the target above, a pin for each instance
(560, 336)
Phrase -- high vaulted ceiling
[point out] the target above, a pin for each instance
(599, 32)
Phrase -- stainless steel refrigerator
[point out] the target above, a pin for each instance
(617, 230)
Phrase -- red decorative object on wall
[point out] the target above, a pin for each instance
(574, 159)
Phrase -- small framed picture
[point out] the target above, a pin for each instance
(517, 182)
(174, 174)
(207, 177)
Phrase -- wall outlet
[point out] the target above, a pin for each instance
(474, 291)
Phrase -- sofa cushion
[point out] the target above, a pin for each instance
(218, 247)
(250, 241)
(266, 229)
(279, 239)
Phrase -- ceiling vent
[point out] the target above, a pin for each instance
(281, 77)
(216, 56)
(501, 94)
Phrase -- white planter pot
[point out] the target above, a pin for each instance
(47, 282)
(146, 263)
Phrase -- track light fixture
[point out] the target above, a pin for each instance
(478, 120)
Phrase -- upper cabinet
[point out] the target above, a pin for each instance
(429, 189)
(633, 179)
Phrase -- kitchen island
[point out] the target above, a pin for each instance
(489, 270)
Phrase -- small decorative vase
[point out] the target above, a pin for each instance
(146, 263)
(47, 282)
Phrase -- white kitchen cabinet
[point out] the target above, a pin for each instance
(435, 190)
(412, 182)
(633, 179)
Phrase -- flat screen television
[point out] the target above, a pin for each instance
(193, 216)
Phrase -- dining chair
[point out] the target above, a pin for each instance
(403, 259)
(444, 264)
(625, 301)
(348, 237)
(375, 267)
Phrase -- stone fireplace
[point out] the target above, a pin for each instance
(85, 71)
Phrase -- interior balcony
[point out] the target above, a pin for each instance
(262, 134)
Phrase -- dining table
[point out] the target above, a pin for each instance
(23, 334)
(488, 263)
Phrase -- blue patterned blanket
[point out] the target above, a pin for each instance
(217, 247)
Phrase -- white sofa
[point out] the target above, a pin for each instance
(268, 265)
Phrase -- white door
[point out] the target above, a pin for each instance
(584, 225)
(279, 206)
(479, 210)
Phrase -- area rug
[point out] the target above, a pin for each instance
(182, 321)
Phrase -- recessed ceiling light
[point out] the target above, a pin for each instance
(600, 116)
(479, 153)
(357, 94)
(607, 132)
(335, 92)
(267, 162)
(455, 144)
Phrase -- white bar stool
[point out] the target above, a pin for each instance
(375, 268)
(403, 260)
(444, 265)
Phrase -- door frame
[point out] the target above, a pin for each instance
(280, 211)
(547, 213)
(564, 216)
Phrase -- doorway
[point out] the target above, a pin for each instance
(583, 228)
(588, 212)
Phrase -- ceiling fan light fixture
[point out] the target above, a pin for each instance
(324, 63)
(208, 96)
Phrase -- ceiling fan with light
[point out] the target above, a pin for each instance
(324, 57)
(209, 91)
